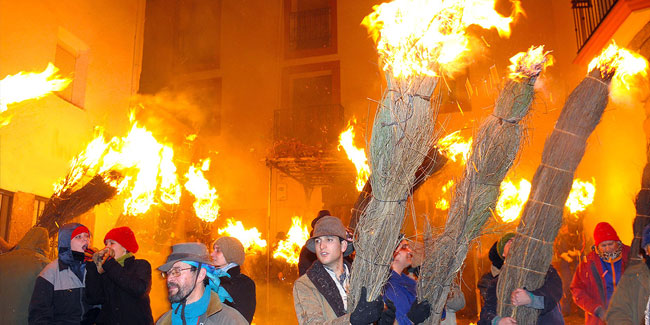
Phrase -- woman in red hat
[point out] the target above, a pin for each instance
(118, 281)
(596, 278)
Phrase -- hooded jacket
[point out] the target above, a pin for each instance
(629, 302)
(58, 296)
(18, 271)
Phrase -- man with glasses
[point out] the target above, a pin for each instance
(189, 273)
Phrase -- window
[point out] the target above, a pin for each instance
(6, 200)
(198, 35)
(39, 206)
(310, 28)
(71, 57)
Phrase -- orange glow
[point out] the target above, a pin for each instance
(620, 64)
(23, 86)
(581, 195)
(356, 155)
(289, 249)
(512, 199)
(454, 145)
(205, 205)
(529, 64)
(443, 203)
(417, 37)
(251, 238)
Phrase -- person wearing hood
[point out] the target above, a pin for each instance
(630, 302)
(228, 255)
(546, 298)
(118, 281)
(194, 289)
(58, 296)
(597, 277)
(18, 271)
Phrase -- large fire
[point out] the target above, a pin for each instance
(620, 64)
(416, 37)
(289, 249)
(23, 86)
(356, 155)
(529, 64)
(454, 146)
(251, 238)
(581, 196)
(206, 206)
(443, 203)
(512, 199)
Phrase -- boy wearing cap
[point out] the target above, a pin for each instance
(58, 296)
(598, 276)
(194, 289)
(630, 301)
(118, 281)
(320, 296)
(228, 255)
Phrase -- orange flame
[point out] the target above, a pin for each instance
(530, 64)
(416, 37)
(23, 86)
(454, 145)
(289, 249)
(251, 238)
(443, 203)
(356, 155)
(205, 205)
(619, 64)
(512, 199)
(581, 195)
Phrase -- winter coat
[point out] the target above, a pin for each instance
(589, 286)
(316, 298)
(242, 290)
(123, 292)
(18, 271)
(629, 301)
(305, 260)
(58, 296)
(217, 314)
(401, 290)
(551, 290)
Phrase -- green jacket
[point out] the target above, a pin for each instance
(628, 302)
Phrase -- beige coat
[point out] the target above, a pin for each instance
(628, 303)
(311, 306)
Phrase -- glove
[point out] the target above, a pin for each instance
(88, 254)
(366, 312)
(388, 315)
(419, 312)
(600, 313)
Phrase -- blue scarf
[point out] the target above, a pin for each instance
(192, 311)
(213, 274)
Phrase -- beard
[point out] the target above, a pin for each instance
(181, 293)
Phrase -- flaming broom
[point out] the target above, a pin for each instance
(415, 44)
(532, 249)
(494, 150)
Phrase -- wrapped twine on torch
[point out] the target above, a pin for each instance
(493, 152)
(532, 250)
(402, 135)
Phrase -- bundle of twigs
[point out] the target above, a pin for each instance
(402, 135)
(532, 250)
(642, 218)
(432, 163)
(493, 152)
(68, 204)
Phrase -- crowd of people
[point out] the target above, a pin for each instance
(84, 285)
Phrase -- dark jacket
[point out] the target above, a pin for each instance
(242, 290)
(305, 260)
(58, 296)
(18, 271)
(551, 290)
(629, 303)
(123, 292)
(589, 285)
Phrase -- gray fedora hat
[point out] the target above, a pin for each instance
(194, 252)
(329, 226)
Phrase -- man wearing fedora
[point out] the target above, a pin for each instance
(320, 295)
(194, 290)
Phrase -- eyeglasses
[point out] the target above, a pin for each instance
(175, 273)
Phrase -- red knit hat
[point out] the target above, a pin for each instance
(125, 237)
(79, 230)
(604, 231)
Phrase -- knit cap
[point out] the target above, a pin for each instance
(501, 244)
(603, 232)
(79, 230)
(125, 237)
(232, 249)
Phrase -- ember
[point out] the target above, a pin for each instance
(529, 64)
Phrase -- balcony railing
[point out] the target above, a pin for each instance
(310, 29)
(317, 125)
(587, 16)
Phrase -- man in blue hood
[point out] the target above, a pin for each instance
(58, 296)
